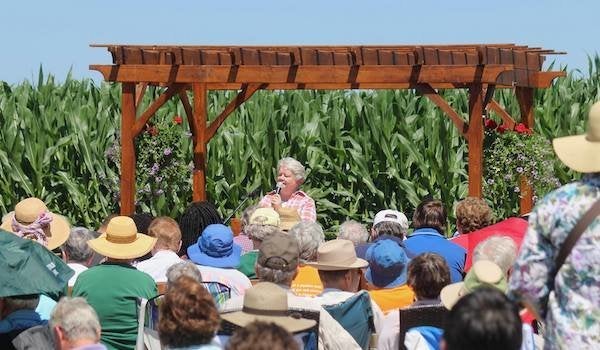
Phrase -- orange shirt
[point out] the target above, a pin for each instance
(307, 283)
(393, 298)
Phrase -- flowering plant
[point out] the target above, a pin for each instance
(510, 155)
(162, 172)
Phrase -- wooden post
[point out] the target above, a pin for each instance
(128, 114)
(525, 99)
(200, 119)
(475, 140)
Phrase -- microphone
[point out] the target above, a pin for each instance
(278, 187)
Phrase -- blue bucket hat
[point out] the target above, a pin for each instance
(387, 264)
(215, 248)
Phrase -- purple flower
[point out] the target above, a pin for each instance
(490, 181)
(158, 192)
(167, 151)
(154, 169)
(519, 170)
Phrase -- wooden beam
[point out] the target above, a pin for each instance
(427, 91)
(140, 90)
(507, 120)
(127, 149)
(140, 123)
(243, 96)
(334, 86)
(525, 100)
(302, 74)
(200, 119)
(475, 140)
(189, 112)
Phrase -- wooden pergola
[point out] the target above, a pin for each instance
(479, 68)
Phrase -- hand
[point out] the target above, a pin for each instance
(276, 201)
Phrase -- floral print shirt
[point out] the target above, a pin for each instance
(572, 305)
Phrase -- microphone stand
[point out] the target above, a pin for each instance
(251, 194)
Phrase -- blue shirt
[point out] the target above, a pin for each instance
(428, 240)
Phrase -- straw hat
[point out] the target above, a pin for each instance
(484, 273)
(30, 210)
(267, 302)
(122, 241)
(289, 217)
(582, 152)
(265, 216)
(336, 255)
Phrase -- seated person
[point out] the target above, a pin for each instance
(353, 231)
(164, 254)
(196, 217)
(260, 335)
(309, 235)
(17, 314)
(263, 223)
(75, 325)
(387, 224)
(77, 253)
(472, 214)
(243, 239)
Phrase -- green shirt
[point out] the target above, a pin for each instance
(247, 262)
(112, 289)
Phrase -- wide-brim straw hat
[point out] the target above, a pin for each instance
(337, 255)
(288, 218)
(582, 152)
(122, 241)
(28, 210)
(269, 303)
(484, 273)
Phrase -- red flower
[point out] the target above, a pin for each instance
(490, 124)
(522, 129)
(177, 119)
(152, 130)
(501, 129)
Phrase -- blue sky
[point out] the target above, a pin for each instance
(57, 34)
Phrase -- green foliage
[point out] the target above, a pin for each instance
(364, 150)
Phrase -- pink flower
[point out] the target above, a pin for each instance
(522, 129)
(501, 129)
(177, 119)
(490, 124)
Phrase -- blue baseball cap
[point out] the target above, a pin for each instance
(387, 264)
(215, 248)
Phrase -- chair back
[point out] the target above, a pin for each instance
(417, 316)
(355, 315)
(220, 292)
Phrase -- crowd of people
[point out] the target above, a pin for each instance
(518, 283)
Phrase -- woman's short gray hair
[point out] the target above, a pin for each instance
(76, 246)
(294, 166)
(309, 235)
(267, 274)
(184, 268)
(259, 232)
(500, 250)
(76, 318)
(353, 231)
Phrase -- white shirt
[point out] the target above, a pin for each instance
(158, 264)
(237, 281)
(332, 297)
(78, 268)
(331, 334)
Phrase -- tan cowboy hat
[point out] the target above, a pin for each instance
(29, 210)
(267, 302)
(289, 217)
(582, 152)
(122, 241)
(336, 255)
(484, 273)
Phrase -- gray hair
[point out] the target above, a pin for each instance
(500, 250)
(184, 268)
(247, 213)
(294, 166)
(22, 302)
(309, 235)
(76, 318)
(390, 228)
(353, 231)
(260, 232)
(267, 274)
(76, 246)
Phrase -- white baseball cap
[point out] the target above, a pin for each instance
(391, 216)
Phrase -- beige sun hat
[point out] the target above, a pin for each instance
(30, 213)
(122, 241)
(267, 302)
(483, 273)
(264, 216)
(582, 152)
(336, 255)
(289, 217)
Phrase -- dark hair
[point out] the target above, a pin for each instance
(428, 273)
(389, 228)
(430, 214)
(473, 214)
(260, 335)
(484, 319)
(142, 222)
(188, 315)
(194, 220)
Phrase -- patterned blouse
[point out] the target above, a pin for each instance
(300, 201)
(572, 308)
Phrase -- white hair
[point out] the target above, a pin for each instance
(500, 250)
(76, 318)
(294, 166)
(184, 268)
(76, 246)
(309, 236)
(353, 231)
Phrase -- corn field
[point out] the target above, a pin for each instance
(364, 150)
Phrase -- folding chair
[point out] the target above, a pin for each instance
(147, 336)
(355, 315)
(220, 292)
(417, 316)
